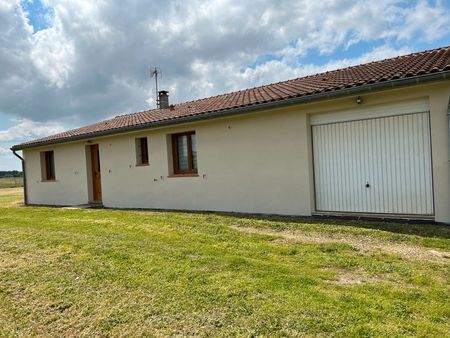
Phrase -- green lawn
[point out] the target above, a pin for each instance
(85, 272)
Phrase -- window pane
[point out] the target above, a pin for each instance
(183, 163)
(144, 151)
(138, 152)
(50, 165)
(53, 164)
(194, 151)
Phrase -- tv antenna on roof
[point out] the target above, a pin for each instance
(155, 72)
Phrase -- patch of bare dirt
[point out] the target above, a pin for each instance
(362, 243)
(355, 277)
(10, 191)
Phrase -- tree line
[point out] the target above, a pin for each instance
(11, 173)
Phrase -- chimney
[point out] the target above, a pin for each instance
(163, 99)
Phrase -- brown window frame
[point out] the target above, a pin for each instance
(143, 143)
(49, 160)
(176, 169)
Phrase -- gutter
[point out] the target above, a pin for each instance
(396, 83)
(448, 115)
(25, 190)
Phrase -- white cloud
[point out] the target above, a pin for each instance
(426, 22)
(4, 151)
(53, 55)
(22, 130)
(94, 60)
(26, 129)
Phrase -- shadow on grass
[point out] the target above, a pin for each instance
(420, 228)
(399, 226)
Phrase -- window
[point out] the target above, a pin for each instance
(184, 148)
(48, 166)
(141, 151)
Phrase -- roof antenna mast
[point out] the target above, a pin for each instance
(155, 72)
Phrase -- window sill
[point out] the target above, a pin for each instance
(184, 175)
(48, 181)
(142, 165)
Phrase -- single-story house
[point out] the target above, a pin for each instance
(371, 139)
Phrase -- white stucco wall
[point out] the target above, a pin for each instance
(439, 100)
(70, 186)
(260, 162)
(243, 166)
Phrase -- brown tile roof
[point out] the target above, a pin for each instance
(398, 68)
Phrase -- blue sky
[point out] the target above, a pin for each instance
(39, 15)
(66, 63)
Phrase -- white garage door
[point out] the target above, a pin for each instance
(377, 165)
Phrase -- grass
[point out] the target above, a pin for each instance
(11, 182)
(86, 272)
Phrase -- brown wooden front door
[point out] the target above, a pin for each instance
(96, 176)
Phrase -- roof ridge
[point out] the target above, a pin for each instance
(293, 80)
(416, 64)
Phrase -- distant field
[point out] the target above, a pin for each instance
(11, 182)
